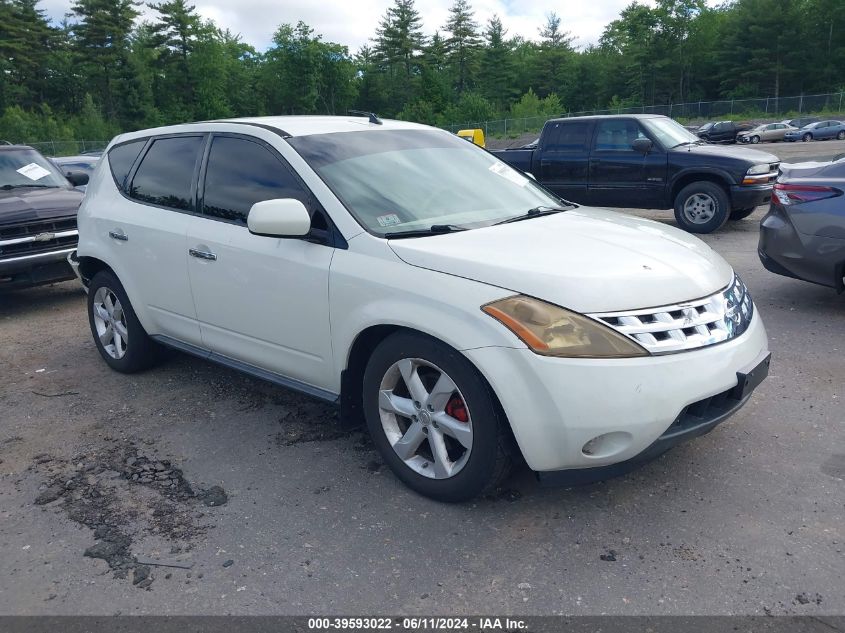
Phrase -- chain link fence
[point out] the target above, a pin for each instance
(68, 148)
(831, 104)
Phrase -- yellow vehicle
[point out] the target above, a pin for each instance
(473, 136)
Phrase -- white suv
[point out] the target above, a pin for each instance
(462, 310)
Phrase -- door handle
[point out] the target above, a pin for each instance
(202, 254)
(118, 234)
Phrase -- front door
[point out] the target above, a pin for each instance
(620, 176)
(260, 300)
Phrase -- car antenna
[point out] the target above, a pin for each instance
(370, 115)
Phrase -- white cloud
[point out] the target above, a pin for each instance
(353, 22)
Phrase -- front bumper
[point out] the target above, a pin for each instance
(748, 196)
(784, 250)
(556, 406)
(32, 270)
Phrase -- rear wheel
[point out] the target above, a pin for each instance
(434, 419)
(118, 334)
(702, 207)
(841, 135)
(741, 214)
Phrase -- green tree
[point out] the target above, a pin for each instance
(463, 44)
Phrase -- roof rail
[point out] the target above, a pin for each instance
(370, 115)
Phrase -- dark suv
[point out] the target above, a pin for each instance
(37, 218)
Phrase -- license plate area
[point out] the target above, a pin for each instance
(748, 380)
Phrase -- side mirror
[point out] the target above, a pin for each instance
(77, 178)
(642, 145)
(283, 217)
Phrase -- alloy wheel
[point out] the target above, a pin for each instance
(699, 208)
(110, 322)
(425, 418)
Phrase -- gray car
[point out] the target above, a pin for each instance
(803, 234)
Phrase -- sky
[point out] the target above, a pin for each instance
(353, 22)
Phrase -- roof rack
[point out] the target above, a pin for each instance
(370, 115)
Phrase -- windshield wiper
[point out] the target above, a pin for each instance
(434, 229)
(536, 212)
(21, 186)
(698, 142)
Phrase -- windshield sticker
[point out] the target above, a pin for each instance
(33, 171)
(390, 219)
(500, 169)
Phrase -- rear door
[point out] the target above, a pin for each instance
(260, 300)
(564, 158)
(147, 230)
(619, 175)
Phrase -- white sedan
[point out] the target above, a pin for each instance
(463, 311)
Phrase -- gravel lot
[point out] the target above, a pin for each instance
(261, 505)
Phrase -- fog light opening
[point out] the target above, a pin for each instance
(607, 444)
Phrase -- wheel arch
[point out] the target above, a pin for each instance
(716, 177)
(90, 266)
(352, 376)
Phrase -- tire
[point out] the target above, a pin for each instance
(841, 135)
(135, 350)
(807, 137)
(702, 207)
(755, 139)
(740, 214)
(456, 472)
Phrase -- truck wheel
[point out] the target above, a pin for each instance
(702, 207)
(741, 214)
(434, 419)
(118, 334)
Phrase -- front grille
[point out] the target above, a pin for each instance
(32, 238)
(685, 326)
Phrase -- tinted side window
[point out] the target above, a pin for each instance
(617, 135)
(121, 159)
(165, 174)
(239, 174)
(570, 136)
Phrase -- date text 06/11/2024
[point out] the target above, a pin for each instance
(416, 624)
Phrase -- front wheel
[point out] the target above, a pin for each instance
(755, 139)
(741, 214)
(702, 207)
(807, 137)
(434, 419)
(118, 334)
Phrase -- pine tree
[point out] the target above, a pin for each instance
(462, 44)
(496, 67)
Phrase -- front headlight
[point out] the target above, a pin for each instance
(553, 331)
(758, 169)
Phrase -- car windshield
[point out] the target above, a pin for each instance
(396, 181)
(669, 132)
(27, 168)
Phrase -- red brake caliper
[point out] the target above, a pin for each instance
(457, 409)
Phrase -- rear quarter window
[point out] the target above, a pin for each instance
(121, 159)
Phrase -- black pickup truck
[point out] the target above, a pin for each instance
(650, 162)
(37, 218)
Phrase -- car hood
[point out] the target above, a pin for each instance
(26, 205)
(588, 260)
(751, 156)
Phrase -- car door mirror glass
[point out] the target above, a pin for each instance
(642, 145)
(282, 217)
(77, 178)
